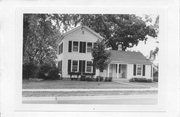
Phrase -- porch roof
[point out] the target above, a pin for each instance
(128, 57)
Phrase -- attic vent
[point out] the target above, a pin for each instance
(82, 31)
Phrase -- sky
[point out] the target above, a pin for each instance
(151, 43)
(145, 48)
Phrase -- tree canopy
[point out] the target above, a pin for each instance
(100, 56)
(124, 29)
(39, 39)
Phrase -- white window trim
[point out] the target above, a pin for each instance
(86, 67)
(73, 46)
(77, 66)
(137, 69)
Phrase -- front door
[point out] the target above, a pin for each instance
(123, 71)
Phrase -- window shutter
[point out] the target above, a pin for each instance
(84, 47)
(94, 69)
(69, 66)
(70, 46)
(119, 68)
(62, 48)
(80, 66)
(83, 66)
(151, 70)
(116, 68)
(134, 73)
(80, 48)
(144, 69)
(59, 49)
(61, 66)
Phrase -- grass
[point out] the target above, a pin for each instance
(68, 84)
(153, 85)
(83, 93)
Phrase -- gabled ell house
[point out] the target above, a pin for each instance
(74, 57)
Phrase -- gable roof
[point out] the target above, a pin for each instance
(128, 57)
(77, 28)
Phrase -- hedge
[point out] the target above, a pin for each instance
(140, 80)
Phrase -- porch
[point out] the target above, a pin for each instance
(117, 71)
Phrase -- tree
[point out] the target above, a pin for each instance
(39, 39)
(100, 56)
(124, 29)
(153, 53)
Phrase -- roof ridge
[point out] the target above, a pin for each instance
(83, 26)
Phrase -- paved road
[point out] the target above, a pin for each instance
(120, 99)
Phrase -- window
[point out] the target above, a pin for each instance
(75, 46)
(60, 66)
(75, 66)
(139, 69)
(60, 48)
(89, 66)
(89, 47)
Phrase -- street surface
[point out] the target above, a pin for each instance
(113, 99)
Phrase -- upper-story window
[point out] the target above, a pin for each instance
(89, 66)
(75, 66)
(75, 46)
(61, 48)
(89, 47)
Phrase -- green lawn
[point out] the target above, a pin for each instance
(68, 84)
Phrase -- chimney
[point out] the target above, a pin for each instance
(119, 47)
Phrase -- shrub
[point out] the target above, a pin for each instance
(83, 78)
(132, 80)
(149, 80)
(47, 72)
(108, 79)
(140, 80)
(53, 74)
(155, 79)
(99, 78)
(29, 70)
(44, 71)
(88, 78)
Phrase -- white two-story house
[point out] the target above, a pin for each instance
(74, 57)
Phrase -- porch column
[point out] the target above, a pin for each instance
(117, 71)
